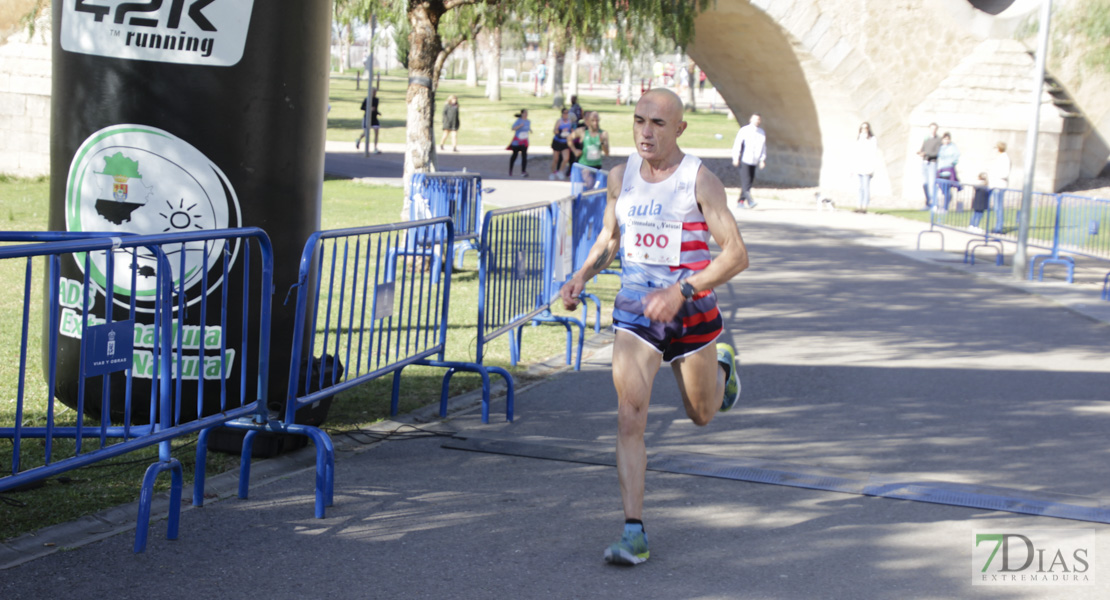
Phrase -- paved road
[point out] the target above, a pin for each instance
(864, 360)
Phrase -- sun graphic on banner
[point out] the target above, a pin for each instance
(180, 219)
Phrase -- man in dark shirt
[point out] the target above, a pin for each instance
(928, 153)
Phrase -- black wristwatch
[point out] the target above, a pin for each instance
(686, 289)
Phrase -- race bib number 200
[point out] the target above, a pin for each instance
(652, 242)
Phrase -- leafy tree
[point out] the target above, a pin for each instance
(670, 19)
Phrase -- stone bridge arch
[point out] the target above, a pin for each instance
(815, 69)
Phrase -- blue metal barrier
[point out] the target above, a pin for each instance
(589, 188)
(1083, 226)
(514, 277)
(371, 311)
(455, 195)
(103, 311)
(586, 179)
(1057, 222)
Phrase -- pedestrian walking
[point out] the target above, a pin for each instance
(522, 130)
(451, 123)
(865, 157)
(930, 148)
(560, 148)
(947, 158)
(749, 151)
(373, 114)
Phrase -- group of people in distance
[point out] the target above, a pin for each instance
(575, 137)
(939, 157)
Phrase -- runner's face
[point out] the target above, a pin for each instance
(593, 121)
(657, 124)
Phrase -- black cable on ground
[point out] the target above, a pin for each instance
(400, 434)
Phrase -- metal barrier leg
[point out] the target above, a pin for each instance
(146, 496)
(460, 251)
(547, 317)
(928, 231)
(509, 394)
(483, 371)
(325, 464)
(516, 342)
(245, 462)
(200, 472)
(586, 310)
(395, 397)
(1106, 287)
(1066, 261)
(443, 395)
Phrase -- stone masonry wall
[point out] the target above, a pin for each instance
(25, 80)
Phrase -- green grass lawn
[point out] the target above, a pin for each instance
(88, 490)
(486, 123)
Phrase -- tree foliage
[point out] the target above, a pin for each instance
(626, 22)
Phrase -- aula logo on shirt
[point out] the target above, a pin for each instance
(645, 210)
(192, 32)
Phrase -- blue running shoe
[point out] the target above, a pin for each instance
(631, 550)
(727, 357)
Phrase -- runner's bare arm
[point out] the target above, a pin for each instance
(663, 305)
(722, 226)
(604, 249)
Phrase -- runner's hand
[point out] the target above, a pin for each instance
(570, 292)
(662, 305)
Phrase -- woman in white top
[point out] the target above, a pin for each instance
(865, 156)
(998, 178)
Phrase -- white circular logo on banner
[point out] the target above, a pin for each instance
(143, 180)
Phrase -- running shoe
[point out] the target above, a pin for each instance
(631, 550)
(727, 357)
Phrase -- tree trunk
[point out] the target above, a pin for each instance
(557, 96)
(424, 49)
(574, 52)
(345, 48)
(691, 79)
(549, 60)
(626, 82)
(472, 62)
(493, 71)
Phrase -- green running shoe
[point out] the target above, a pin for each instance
(727, 357)
(631, 550)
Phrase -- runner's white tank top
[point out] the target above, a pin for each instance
(664, 237)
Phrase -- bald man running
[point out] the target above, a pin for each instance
(662, 208)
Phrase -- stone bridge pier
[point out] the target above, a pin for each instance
(816, 69)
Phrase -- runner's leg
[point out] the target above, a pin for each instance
(635, 365)
(702, 383)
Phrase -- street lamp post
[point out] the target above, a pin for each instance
(367, 116)
(1020, 258)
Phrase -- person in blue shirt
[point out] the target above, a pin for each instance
(947, 158)
(560, 145)
(522, 130)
